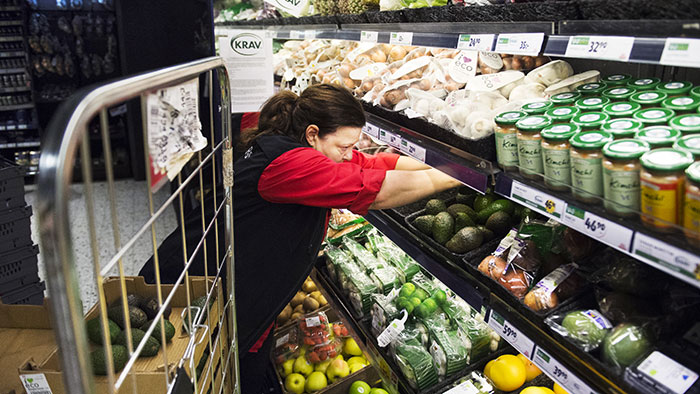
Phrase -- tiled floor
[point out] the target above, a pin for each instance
(132, 211)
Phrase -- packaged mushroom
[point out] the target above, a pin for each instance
(550, 73)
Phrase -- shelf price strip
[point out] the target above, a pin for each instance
(598, 228)
(520, 44)
(369, 36)
(401, 38)
(600, 47)
(543, 202)
(511, 334)
(681, 52)
(390, 138)
(679, 262)
(477, 42)
(559, 373)
(415, 151)
(371, 130)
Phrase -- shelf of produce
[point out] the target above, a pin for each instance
(669, 253)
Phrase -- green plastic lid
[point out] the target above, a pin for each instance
(562, 113)
(693, 172)
(685, 103)
(675, 87)
(590, 139)
(560, 132)
(590, 120)
(537, 108)
(658, 136)
(651, 116)
(623, 108)
(565, 98)
(510, 117)
(691, 143)
(626, 148)
(666, 159)
(623, 127)
(644, 83)
(588, 104)
(689, 123)
(619, 93)
(533, 123)
(592, 89)
(617, 79)
(648, 98)
(695, 92)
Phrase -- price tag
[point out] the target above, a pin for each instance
(11, 127)
(570, 382)
(371, 130)
(684, 52)
(310, 34)
(282, 340)
(2, 128)
(678, 262)
(599, 228)
(313, 321)
(415, 151)
(296, 35)
(520, 44)
(600, 47)
(477, 42)
(35, 384)
(401, 38)
(543, 202)
(511, 334)
(390, 138)
(22, 127)
(664, 370)
(392, 331)
(369, 36)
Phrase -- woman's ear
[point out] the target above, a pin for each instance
(311, 135)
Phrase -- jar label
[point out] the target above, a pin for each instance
(590, 118)
(620, 91)
(587, 176)
(621, 107)
(622, 189)
(557, 166)
(643, 82)
(563, 111)
(661, 200)
(649, 96)
(682, 101)
(621, 124)
(592, 101)
(690, 121)
(654, 114)
(530, 155)
(507, 149)
(691, 211)
(674, 85)
(564, 96)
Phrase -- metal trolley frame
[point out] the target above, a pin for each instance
(68, 142)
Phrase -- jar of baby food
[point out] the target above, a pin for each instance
(686, 124)
(654, 116)
(507, 139)
(587, 164)
(536, 108)
(622, 128)
(592, 89)
(565, 99)
(648, 99)
(530, 145)
(658, 136)
(623, 109)
(643, 83)
(682, 105)
(591, 120)
(562, 114)
(555, 154)
(592, 104)
(619, 93)
(675, 88)
(621, 176)
(690, 143)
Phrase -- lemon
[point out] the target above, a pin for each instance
(536, 390)
(508, 373)
(530, 368)
(559, 390)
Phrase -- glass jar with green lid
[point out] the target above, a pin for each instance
(649, 99)
(617, 79)
(621, 175)
(691, 204)
(682, 105)
(662, 182)
(536, 108)
(622, 128)
(643, 83)
(592, 104)
(619, 93)
(686, 124)
(658, 136)
(623, 109)
(592, 89)
(691, 143)
(654, 116)
(507, 139)
(587, 164)
(565, 99)
(562, 114)
(530, 145)
(591, 120)
(695, 92)
(675, 88)
(555, 154)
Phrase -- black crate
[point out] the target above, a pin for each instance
(18, 266)
(15, 228)
(11, 185)
(28, 295)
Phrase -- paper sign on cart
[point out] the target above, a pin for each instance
(35, 384)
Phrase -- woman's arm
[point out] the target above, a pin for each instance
(406, 163)
(404, 187)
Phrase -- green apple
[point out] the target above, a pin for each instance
(420, 293)
(359, 387)
(357, 359)
(316, 381)
(337, 370)
(439, 296)
(415, 301)
(431, 304)
(351, 347)
(295, 383)
(302, 366)
(287, 367)
(377, 390)
(354, 367)
(407, 289)
(322, 366)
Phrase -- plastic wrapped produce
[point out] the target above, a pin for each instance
(358, 286)
(474, 383)
(550, 73)
(449, 351)
(287, 345)
(342, 218)
(326, 351)
(625, 274)
(547, 293)
(483, 340)
(386, 278)
(585, 328)
(314, 329)
(334, 258)
(625, 344)
(383, 312)
(395, 256)
(364, 257)
(416, 364)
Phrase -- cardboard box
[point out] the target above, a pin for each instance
(149, 372)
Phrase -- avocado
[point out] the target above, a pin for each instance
(131, 300)
(169, 330)
(136, 316)
(462, 220)
(488, 234)
(443, 227)
(150, 307)
(466, 198)
(94, 330)
(499, 222)
(98, 358)
(434, 206)
(149, 350)
(425, 224)
(498, 205)
(466, 239)
(454, 209)
(481, 202)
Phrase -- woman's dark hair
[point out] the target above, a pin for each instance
(326, 106)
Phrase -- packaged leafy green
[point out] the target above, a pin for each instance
(386, 279)
(474, 383)
(395, 256)
(335, 257)
(449, 351)
(358, 286)
(423, 282)
(363, 256)
(482, 340)
(342, 218)
(352, 232)
(416, 364)
(383, 312)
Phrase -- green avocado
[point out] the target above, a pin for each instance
(443, 227)
(94, 330)
(466, 239)
(425, 224)
(488, 234)
(499, 222)
(463, 220)
(625, 344)
(454, 209)
(466, 198)
(169, 330)
(136, 316)
(434, 206)
(149, 350)
(481, 202)
(98, 359)
(498, 205)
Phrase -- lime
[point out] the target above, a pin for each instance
(415, 301)
(430, 304)
(439, 296)
(407, 289)
(407, 305)
(420, 293)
